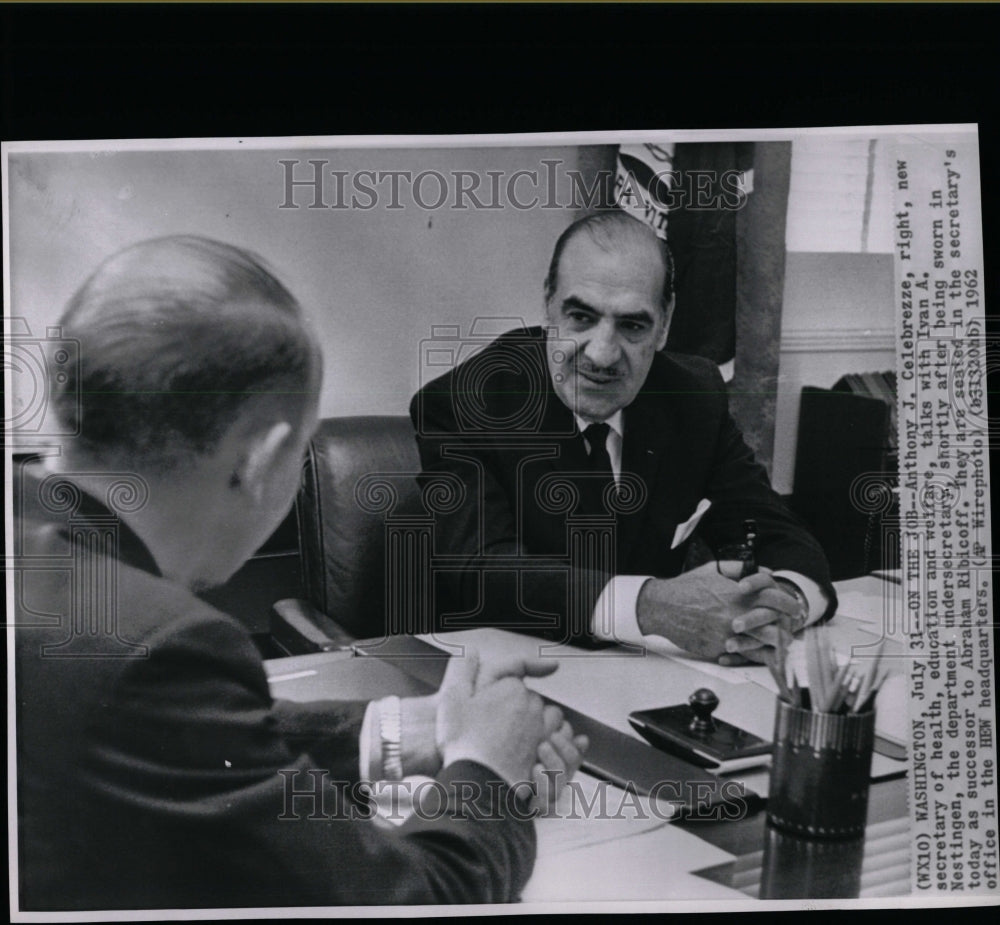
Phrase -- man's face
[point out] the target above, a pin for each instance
(609, 304)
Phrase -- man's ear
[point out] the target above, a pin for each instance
(668, 314)
(263, 450)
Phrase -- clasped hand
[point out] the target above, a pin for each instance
(718, 618)
(486, 713)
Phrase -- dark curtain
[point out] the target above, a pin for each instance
(730, 265)
(702, 238)
(760, 283)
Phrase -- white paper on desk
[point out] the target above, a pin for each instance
(856, 605)
(591, 811)
(660, 645)
(628, 864)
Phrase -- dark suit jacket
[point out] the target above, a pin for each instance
(153, 781)
(512, 553)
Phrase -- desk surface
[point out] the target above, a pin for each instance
(673, 860)
(608, 684)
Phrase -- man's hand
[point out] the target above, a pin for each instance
(487, 715)
(713, 616)
(787, 627)
(559, 757)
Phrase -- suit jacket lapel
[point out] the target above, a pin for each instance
(550, 440)
(570, 455)
(652, 451)
(558, 428)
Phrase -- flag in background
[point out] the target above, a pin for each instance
(690, 195)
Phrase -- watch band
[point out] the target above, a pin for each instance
(800, 621)
(390, 729)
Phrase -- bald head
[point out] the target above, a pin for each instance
(176, 335)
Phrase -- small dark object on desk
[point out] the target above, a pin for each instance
(690, 730)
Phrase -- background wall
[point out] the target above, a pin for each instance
(373, 281)
(837, 318)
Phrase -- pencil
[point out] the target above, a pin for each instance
(771, 661)
(866, 682)
(836, 695)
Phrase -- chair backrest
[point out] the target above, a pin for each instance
(359, 471)
(841, 448)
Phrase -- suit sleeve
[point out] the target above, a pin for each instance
(327, 729)
(492, 579)
(208, 770)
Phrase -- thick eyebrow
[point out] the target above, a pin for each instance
(640, 317)
(574, 302)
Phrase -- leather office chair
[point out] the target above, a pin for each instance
(358, 472)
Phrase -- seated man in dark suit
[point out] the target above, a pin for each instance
(154, 768)
(591, 463)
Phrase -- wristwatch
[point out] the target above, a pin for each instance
(390, 729)
(799, 621)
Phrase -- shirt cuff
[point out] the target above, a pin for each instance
(614, 618)
(816, 599)
(370, 745)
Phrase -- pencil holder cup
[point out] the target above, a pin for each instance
(797, 867)
(820, 771)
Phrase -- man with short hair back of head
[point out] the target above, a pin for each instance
(154, 768)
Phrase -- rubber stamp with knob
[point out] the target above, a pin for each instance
(690, 731)
(702, 702)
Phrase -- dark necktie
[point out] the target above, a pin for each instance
(596, 436)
